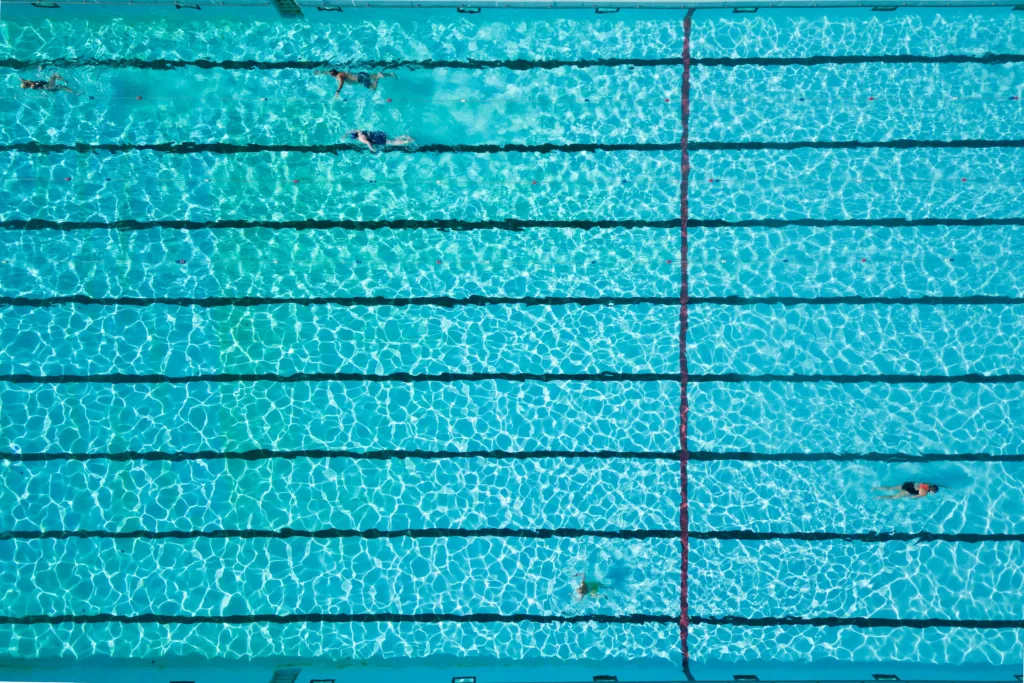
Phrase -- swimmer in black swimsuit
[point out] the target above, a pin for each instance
(909, 489)
(48, 86)
(379, 138)
(368, 81)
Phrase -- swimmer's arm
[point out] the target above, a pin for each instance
(341, 84)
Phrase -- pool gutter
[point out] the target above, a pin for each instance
(470, 7)
(613, 6)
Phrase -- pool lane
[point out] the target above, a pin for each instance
(593, 642)
(435, 106)
(592, 104)
(311, 493)
(805, 644)
(837, 260)
(811, 33)
(366, 34)
(341, 493)
(433, 416)
(859, 102)
(838, 497)
(761, 579)
(380, 640)
(285, 339)
(498, 106)
(846, 339)
(833, 184)
(261, 262)
(267, 186)
(812, 417)
(211, 578)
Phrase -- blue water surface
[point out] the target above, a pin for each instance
(853, 224)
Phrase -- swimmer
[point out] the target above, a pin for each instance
(49, 86)
(588, 589)
(368, 81)
(379, 138)
(909, 489)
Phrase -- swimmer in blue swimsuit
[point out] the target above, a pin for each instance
(379, 138)
(368, 81)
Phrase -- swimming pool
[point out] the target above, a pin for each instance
(265, 394)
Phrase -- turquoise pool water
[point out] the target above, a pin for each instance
(263, 394)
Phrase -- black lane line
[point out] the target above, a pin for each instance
(857, 144)
(861, 622)
(320, 618)
(509, 224)
(867, 537)
(822, 60)
(624, 534)
(406, 377)
(859, 222)
(548, 148)
(441, 301)
(403, 377)
(338, 619)
(346, 148)
(855, 300)
(267, 454)
(511, 64)
(370, 534)
(476, 300)
(970, 378)
(257, 65)
(672, 456)
(746, 456)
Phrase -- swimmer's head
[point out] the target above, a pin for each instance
(932, 488)
(334, 72)
(26, 84)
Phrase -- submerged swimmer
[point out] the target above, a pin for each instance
(588, 589)
(909, 489)
(379, 138)
(368, 81)
(48, 86)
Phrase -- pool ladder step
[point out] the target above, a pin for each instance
(285, 675)
(288, 9)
